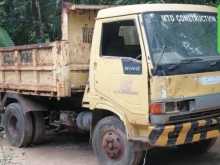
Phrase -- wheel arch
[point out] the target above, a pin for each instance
(27, 103)
(9, 100)
(101, 111)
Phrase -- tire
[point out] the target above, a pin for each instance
(110, 132)
(18, 126)
(39, 127)
(198, 147)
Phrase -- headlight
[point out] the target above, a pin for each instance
(157, 108)
(171, 107)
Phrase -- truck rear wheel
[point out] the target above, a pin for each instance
(39, 127)
(200, 147)
(18, 126)
(111, 146)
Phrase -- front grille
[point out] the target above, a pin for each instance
(195, 116)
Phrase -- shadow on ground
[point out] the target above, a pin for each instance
(173, 156)
(158, 156)
(76, 149)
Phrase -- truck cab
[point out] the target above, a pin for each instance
(156, 67)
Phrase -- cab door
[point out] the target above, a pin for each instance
(120, 73)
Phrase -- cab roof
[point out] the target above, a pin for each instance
(141, 8)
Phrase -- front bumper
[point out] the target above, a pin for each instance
(188, 132)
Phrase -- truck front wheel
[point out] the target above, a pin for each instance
(111, 146)
(18, 126)
(200, 147)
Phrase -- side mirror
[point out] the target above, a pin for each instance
(218, 30)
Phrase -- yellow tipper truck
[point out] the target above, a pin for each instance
(149, 76)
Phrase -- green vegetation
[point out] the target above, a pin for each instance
(35, 21)
(213, 2)
(218, 30)
(5, 39)
(31, 21)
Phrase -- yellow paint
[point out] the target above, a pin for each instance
(80, 52)
(163, 139)
(183, 134)
(125, 93)
(61, 67)
(213, 134)
(181, 86)
(135, 9)
(202, 123)
(135, 108)
(150, 129)
(196, 137)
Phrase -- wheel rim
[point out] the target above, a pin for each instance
(113, 145)
(13, 127)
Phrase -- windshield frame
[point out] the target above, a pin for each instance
(152, 64)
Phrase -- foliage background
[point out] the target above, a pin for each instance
(145, 1)
(35, 21)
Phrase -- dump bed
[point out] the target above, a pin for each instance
(44, 69)
(55, 69)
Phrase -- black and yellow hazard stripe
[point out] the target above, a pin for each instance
(171, 135)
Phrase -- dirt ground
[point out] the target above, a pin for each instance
(71, 150)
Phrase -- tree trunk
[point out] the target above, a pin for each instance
(38, 20)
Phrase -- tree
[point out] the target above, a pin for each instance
(144, 1)
(31, 21)
(36, 11)
(34, 21)
(5, 40)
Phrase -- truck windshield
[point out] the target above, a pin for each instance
(182, 42)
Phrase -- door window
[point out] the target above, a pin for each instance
(120, 39)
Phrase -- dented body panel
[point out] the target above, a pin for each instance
(131, 91)
(30, 68)
(185, 86)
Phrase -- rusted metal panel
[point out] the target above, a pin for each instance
(52, 69)
(37, 70)
(73, 7)
(27, 87)
(184, 86)
(26, 47)
(80, 32)
(77, 28)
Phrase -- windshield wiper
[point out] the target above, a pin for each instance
(212, 61)
(190, 60)
(184, 61)
(160, 58)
